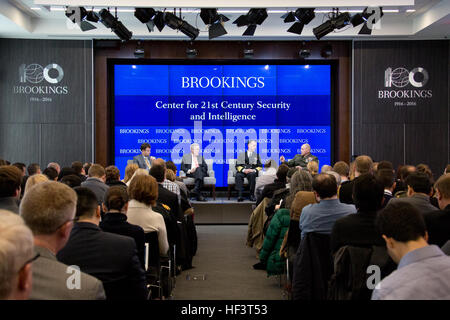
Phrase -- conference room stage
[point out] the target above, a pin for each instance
(220, 104)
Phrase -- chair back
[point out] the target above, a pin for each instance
(152, 260)
(209, 163)
(232, 167)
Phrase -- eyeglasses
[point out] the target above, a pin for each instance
(30, 260)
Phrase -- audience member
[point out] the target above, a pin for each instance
(72, 180)
(10, 187)
(313, 167)
(266, 176)
(4, 162)
(300, 181)
(16, 256)
(138, 172)
(325, 168)
(386, 177)
(65, 172)
(77, 166)
(143, 193)
(51, 173)
(320, 217)
(423, 168)
(55, 166)
(419, 189)
(342, 169)
(447, 169)
(130, 169)
(49, 210)
(423, 271)
(363, 164)
(337, 177)
(96, 182)
(33, 168)
(113, 177)
(278, 183)
(22, 167)
(359, 229)
(402, 174)
(166, 197)
(115, 206)
(438, 221)
(374, 167)
(111, 258)
(86, 167)
(382, 165)
(34, 180)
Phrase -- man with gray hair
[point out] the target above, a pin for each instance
(16, 256)
(302, 159)
(49, 210)
(195, 167)
(55, 166)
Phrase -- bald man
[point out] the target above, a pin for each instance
(302, 159)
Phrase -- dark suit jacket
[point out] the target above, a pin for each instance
(10, 204)
(186, 163)
(97, 186)
(357, 230)
(170, 199)
(269, 190)
(346, 192)
(109, 257)
(438, 226)
(115, 222)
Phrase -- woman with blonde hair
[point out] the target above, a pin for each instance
(34, 180)
(129, 171)
(138, 172)
(313, 167)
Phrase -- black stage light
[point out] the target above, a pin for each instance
(288, 17)
(79, 15)
(146, 16)
(338, 21)
(251, 19)
(115, 25)
(159, 20)
(177, 23)
(302, 16)
(215, 21)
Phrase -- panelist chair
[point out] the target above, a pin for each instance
(209, 181)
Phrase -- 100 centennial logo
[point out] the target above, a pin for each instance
(37, 79)
(400, 78)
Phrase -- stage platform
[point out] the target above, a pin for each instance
(222, 211)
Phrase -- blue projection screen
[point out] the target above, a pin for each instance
(220, 107)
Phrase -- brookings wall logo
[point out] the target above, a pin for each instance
(402, 78)
(36, 79)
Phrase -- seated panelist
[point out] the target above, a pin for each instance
(248, 165)
(195, 167)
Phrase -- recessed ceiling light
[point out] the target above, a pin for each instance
(35, 8)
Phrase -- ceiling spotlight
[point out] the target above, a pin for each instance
(337, 21)
(326, 51)
(177, 23)
(146, 16)
(215, 21)
(251, 19)
(115, 25)
(302, 16)
(79, 15)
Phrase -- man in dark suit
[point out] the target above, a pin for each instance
(359, 229)
(144, 160)
(248, 165)
(438, 222)
(363, 165)
(387, 178)
(112, 258)
(49, 210)
(115, 207)
(170, 199)
(195, 166)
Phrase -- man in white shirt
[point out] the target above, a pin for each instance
(195, 166)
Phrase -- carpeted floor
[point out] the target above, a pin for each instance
(225, 263)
